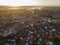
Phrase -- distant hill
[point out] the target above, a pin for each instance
(39, 10)
(52, 8)
(44, 7)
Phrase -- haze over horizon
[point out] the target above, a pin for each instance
(30, 2)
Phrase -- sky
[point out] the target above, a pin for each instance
(30, 2)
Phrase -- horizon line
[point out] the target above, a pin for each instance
(32, 5)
